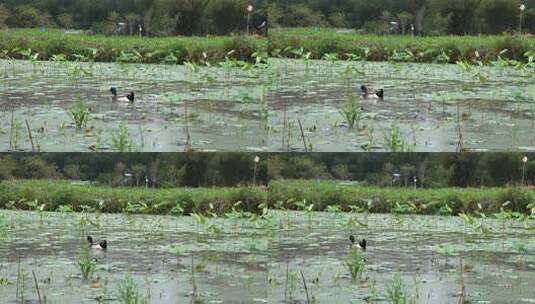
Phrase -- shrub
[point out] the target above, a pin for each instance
(134, 200)
(443, 201)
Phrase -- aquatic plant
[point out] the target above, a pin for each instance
(199, 218)
(177, 250)
(177, 210)
(351, 111)
(79, 113)
(307, 208)
(474, 223)
(393, 139)
(21, 282)
(395, 291)
(136, 207)
(76, 71)
(129, 293)
(371, 139)
(3, 227)
(86, 265)
(355, 264)
(15, 134)
(36, 206)
(445, 250)
(333, 209)
(120, 139)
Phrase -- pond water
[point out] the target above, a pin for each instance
(226, 107)
(426, 251)
(229, 258)
(238, 261)
(434, 106)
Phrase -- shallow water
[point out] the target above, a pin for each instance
(496, 270)
(230, 265)
(225, 106)
(258, 263)
(420, 99)
(231, 109)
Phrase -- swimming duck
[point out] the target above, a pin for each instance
(361, 244)
(367, 95)
(127, 98)
(102, 245)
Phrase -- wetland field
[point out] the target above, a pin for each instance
(409, 259)
(149, 259)
(297, 98)
(427, 107)
(232, 245)
(316, 106)
(67, 106)
(233, 259)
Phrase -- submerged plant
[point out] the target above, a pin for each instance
(352, 111)
(355, 264)
(79, 113)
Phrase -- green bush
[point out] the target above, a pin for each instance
(53, 194)
(440, 201)
(441, 49)
(109, 49)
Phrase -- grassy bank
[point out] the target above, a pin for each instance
(325, 195)
(57, 45)
(63, 195)
(330, 44)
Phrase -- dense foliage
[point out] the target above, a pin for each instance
(157, 17)
(55, 45)
(328, 43)
(429, 17)
(432, 170)
(314, 195)
(115, 169)
(43, 195)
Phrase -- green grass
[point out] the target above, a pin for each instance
(83, 47)
(290, 194)
(442, 49)
(52, 195)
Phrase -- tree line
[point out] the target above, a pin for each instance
(138, 169)
(400, 169)
(428, 17)
(157, 17)
(229, 169)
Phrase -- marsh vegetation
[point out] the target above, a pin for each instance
(426, 107)
(67, 106)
